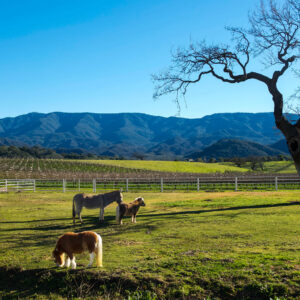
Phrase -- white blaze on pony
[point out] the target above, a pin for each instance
(75, 243)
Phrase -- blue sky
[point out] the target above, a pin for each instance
(98, 56)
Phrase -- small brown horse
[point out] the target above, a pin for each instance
(71, 243)
(129, 209)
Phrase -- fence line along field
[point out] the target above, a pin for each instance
(70, 169)
(203, 183)
(230, 245)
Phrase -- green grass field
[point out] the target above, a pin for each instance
(280, 167)
(231, 245)
(172, 166)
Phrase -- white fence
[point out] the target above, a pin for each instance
(17, 185)
(154, 185)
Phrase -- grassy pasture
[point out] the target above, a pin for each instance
(232, 245)
(280, 167)
(172, 166)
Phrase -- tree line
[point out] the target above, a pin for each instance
(40, 152)
(255, 163)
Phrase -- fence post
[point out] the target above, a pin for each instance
(235, 183)
(276, 183)
(6, 190)
(127, 184)
(64, 185)
(79, 185)
(34, 188)
(198, 184)
(161, 184)
(94, 185)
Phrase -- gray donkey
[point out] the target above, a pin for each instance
(94, 201)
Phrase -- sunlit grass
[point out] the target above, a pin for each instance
(281, 167)
(201, 244)
(172, 166)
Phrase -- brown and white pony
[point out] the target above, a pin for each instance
(74, 243)
(129, 209)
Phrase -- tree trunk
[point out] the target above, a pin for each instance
(292, 136)
(290, 131)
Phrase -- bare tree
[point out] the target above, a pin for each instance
(273, 33)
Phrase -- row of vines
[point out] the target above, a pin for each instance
(57, 168)
(30, 168)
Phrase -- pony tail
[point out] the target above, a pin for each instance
(118, 214)
(99, 251)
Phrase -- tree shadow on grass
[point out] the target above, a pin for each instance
(80, 283)
(188, 212)
(24, 283)
(52, 231)
(47, 234)
(92, 223)
(34, 221)
(89, 223)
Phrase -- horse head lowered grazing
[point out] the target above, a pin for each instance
(129, 209)
(74, 243)
(94, 201)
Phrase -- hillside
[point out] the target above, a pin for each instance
(281, 145)
(229, 148)
(126, 134)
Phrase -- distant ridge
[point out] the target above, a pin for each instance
(131, 134)
(230, 148)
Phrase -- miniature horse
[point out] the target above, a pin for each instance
(94, 201)
(129, 209)
(71, 243)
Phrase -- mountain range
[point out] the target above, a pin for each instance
(229, 148)
(132, 134)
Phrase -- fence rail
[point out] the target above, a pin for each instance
(154, 185)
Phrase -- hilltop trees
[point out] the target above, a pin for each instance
(273, 33)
